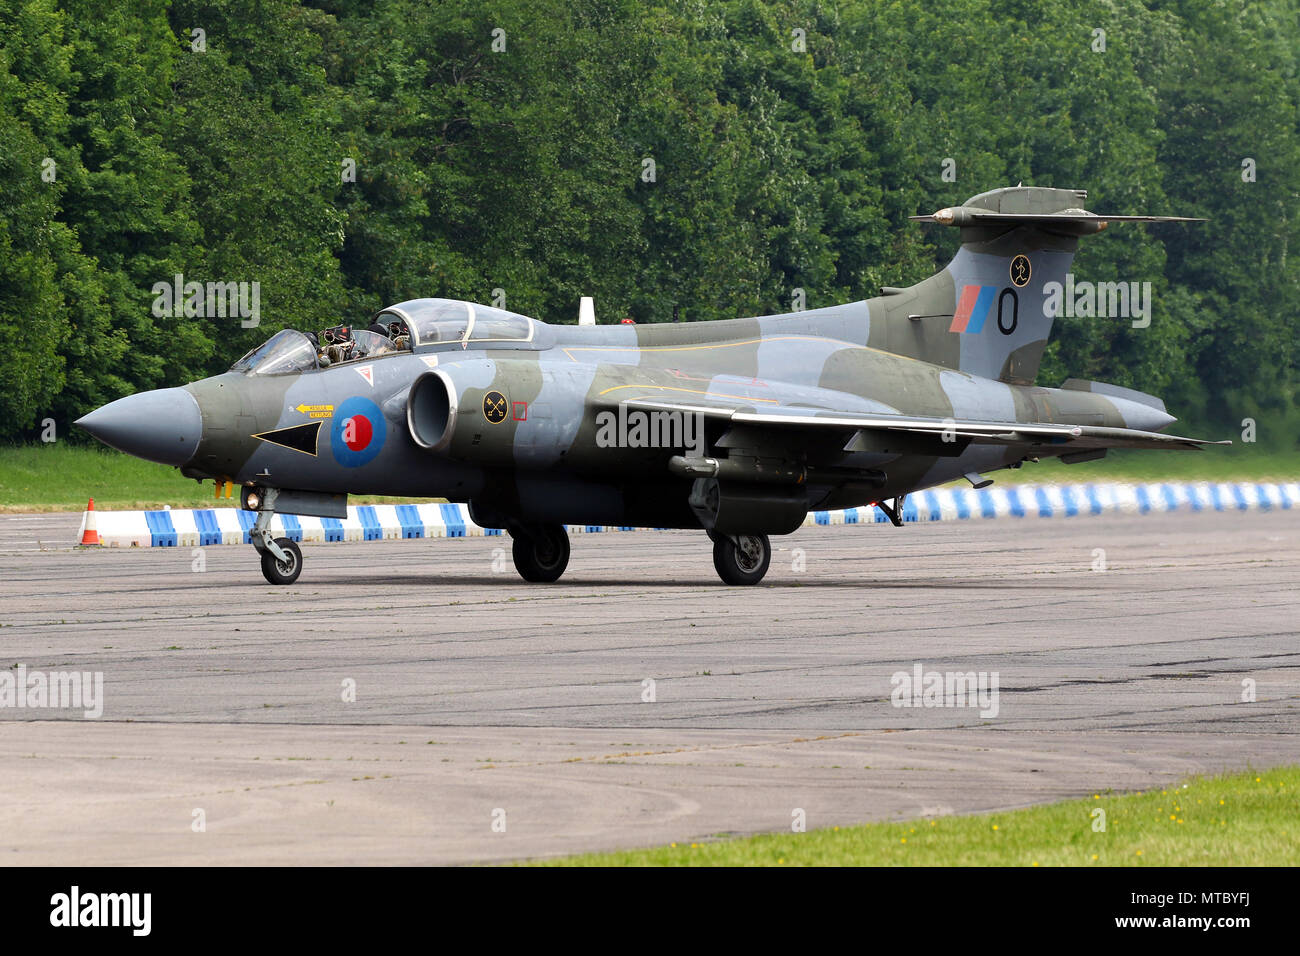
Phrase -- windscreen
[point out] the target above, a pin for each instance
(284, 352)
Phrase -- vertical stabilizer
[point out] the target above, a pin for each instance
(987, 312)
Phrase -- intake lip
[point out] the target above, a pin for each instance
(431, 411)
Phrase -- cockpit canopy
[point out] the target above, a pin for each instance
(417, 325)
(285, 352)
(443, 321)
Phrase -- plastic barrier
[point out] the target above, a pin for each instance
(204, 526)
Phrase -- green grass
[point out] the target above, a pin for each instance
(1243, 819)
(60, 477)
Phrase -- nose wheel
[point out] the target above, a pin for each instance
(541, 552)
(741, 558)
(282, 570)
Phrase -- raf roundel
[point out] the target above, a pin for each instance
(357, 432)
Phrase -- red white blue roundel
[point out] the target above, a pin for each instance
(357, 433)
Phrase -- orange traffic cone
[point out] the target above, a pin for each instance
(89, 533)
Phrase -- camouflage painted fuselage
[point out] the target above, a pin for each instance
(543, 462)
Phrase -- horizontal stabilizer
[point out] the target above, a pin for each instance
(1057, 210)
(1093, 222)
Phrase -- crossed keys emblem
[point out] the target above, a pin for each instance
(494, 407)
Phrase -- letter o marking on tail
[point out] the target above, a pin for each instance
(1015, 311)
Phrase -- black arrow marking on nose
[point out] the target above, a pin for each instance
(301, 438)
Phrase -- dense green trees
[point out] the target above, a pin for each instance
(711, 156)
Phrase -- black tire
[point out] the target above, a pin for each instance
(743, 558)
(283, 572)
(541, 554)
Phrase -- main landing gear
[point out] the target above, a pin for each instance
(541, 552)
(741, 558)
(281, 558)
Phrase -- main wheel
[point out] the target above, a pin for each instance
(541, 554)
(283, 572)
(741, 558)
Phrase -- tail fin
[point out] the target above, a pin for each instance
(986, 312)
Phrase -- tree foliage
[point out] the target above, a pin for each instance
(704, 158)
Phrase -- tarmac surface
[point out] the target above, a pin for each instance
(405, 696)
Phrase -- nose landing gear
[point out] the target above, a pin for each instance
(281, 557)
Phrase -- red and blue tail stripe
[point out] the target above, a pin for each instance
(973, 308)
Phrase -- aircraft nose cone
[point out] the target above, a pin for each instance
(163, 425)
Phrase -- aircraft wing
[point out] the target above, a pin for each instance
(959, 432)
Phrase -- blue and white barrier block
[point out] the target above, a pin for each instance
(199, 527)
(1066, 501)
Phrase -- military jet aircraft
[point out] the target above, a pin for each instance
(736, 427)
